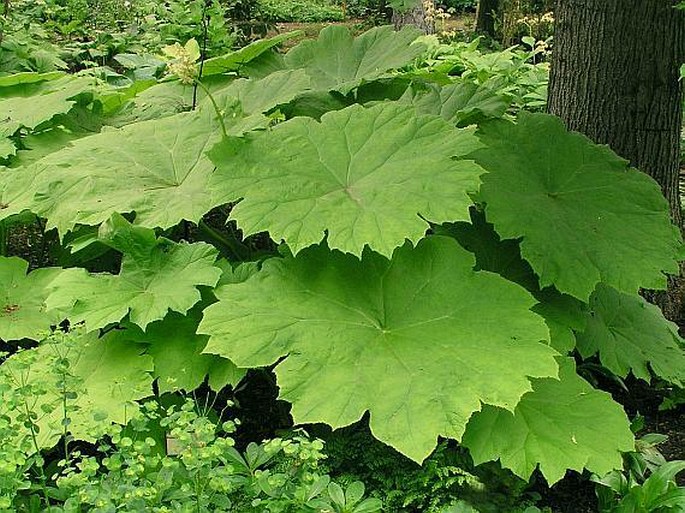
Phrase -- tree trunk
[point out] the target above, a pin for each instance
(416, 16)
(614, 77)
(486, 13)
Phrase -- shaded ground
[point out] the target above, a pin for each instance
(462, 22)
(645, 401)
(672, 424)
(573, 494)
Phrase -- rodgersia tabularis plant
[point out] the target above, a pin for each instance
(436, 277)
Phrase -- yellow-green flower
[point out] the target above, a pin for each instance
(184, 58)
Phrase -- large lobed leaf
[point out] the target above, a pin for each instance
(363, 176)
(235, 60)
(156, 276)
(462, 103)
(338, 61)
(176, 349)
(419, 341)
(157, 168)
(582, 215)
(30, 104)
(562, 424)
(631, 335)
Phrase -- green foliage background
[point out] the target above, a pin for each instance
(386, 221)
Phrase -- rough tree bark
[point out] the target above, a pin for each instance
(486, 12)
(614, 77)
(415, 16)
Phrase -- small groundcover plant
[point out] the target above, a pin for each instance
(166, 459)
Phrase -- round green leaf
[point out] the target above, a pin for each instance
(583, 216)
(563, 424)
(38, 102)
(176, 350)
(156, 276)
(419, 341)
(461, 103)
(155, 168)
(631, 335)
(338, 61)
(364, 176)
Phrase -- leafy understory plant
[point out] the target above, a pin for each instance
(647, 482)
(202, 472)
(348, 500)
(437, 277)
(463, 507)
(199, 470)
